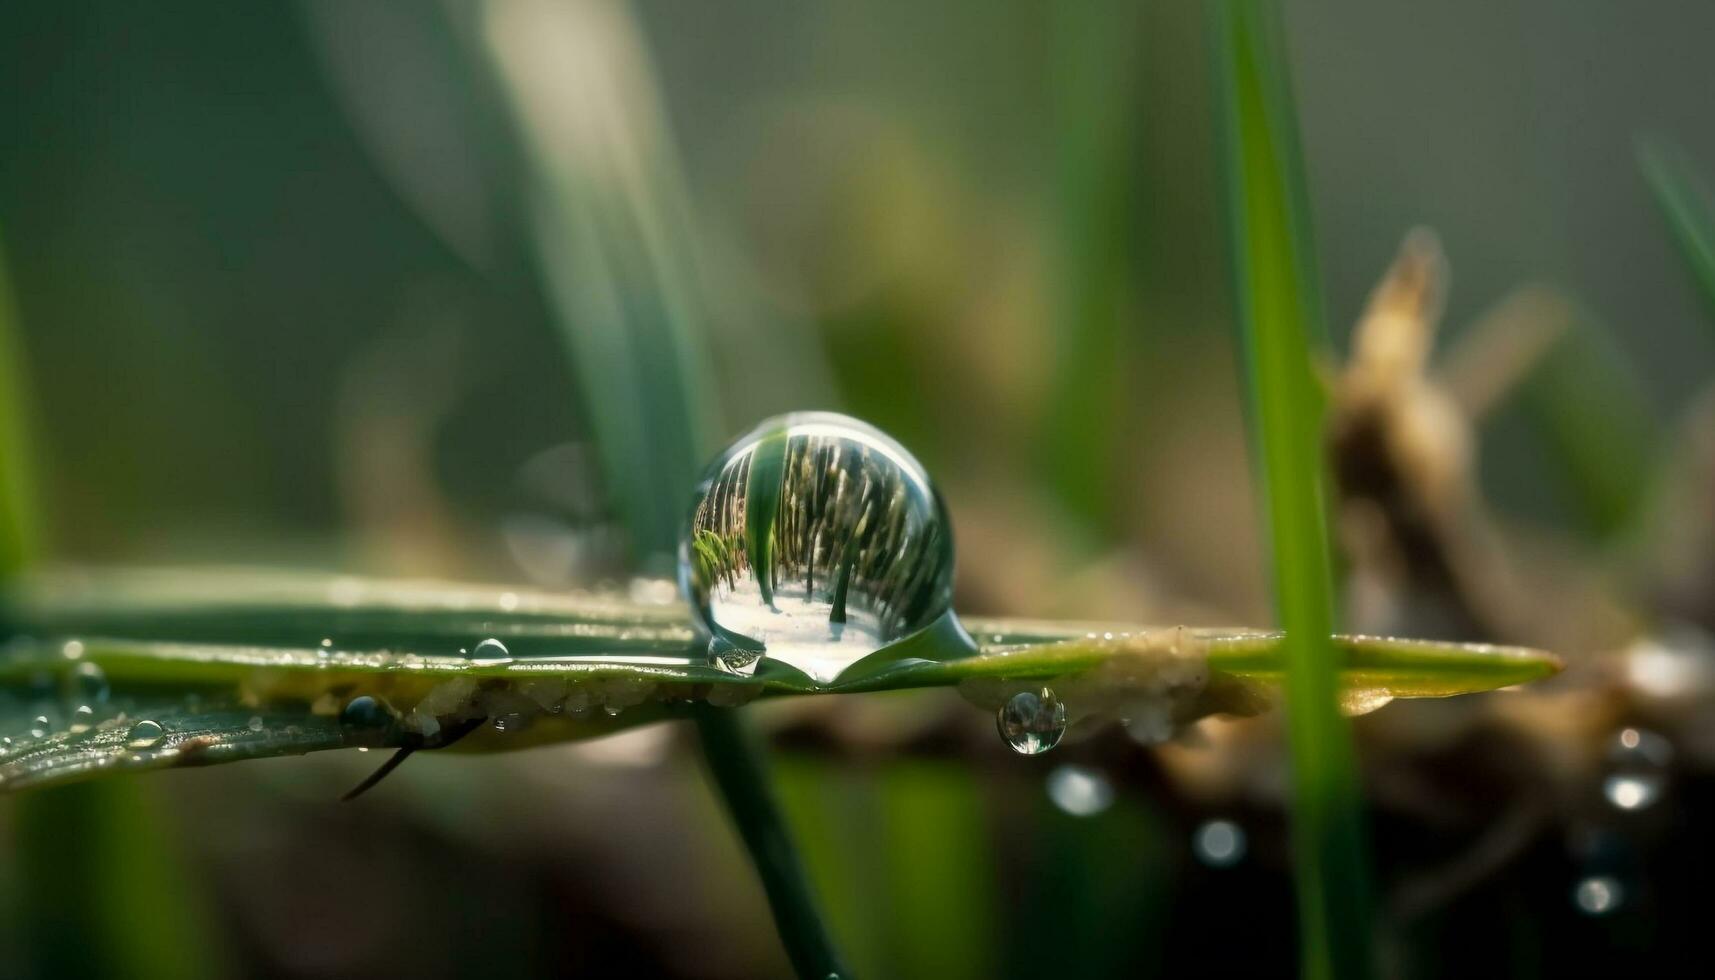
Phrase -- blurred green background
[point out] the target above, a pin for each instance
(297, 284)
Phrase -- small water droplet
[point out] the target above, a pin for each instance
(1080, 790)
(364, 711)
(1598, 894)
(39, 728)
(814, 541)
(490, 652)
(1219, 843)
(82, 717)
(327, 643)
(88, 684)
(255, 723)
(1032, 722)
(145, 734)
(72, 650)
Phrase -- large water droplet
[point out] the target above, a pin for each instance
(490, 652)
(1080, 790)
(1032, 722)
(814, 541)
(1219, 843)
(145, 734)
(1638, 761)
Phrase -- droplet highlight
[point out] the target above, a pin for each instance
(1032, 722)
(814, 541)
(490, 652)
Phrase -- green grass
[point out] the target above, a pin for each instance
(1280, 317)
(1689, 210)
(102, 892)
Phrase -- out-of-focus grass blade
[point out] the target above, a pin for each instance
(17, 483)
(101, 891)
(1588, 402)
(1097, 53)
(1280, 316)
(612, 229)
(1686, 204)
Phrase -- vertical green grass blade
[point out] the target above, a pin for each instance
(100, 889)
(1279, 313)
(17, 482)
(1097, 53)
(1688, 208)
(736, 767)
(614, 231)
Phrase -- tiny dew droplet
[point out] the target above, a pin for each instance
(82, 717)
(1032, 722)
(255, 724)
(39, 727)
(491, 651)
(364, 711)
(145, 734)
(815, 540)
(89, 683)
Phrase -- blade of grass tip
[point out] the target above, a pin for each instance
(615, 235)
(99, 893)
(1688, 208)
(1279, 312)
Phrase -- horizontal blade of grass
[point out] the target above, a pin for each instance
(233, 666)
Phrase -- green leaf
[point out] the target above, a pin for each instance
(232, 665)
(1280, 318)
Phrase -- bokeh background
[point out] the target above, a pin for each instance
(364, 287)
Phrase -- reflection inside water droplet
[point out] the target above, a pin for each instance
(1032, 722)
(145, 734)
(1219, 843)
(814, 540)
(1598, 894)
(491, 651)
(1080, 790)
